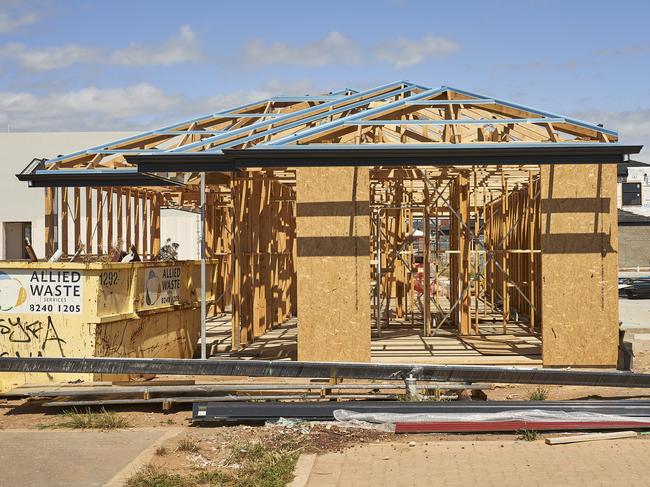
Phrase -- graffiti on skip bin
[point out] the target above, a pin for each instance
(162, 286)
(40, 291)
(35, 335)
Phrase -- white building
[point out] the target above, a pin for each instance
(22, 209)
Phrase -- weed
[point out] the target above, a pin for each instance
(527, 435)
(161, 451)
(103, 420)
(263, 466)
(151, 476)
(260, 465)
(539, 394)
(188, 444)
(214, 477)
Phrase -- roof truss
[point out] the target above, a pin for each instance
(400, 114)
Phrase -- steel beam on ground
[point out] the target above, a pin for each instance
(324, 410)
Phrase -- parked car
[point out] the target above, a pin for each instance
(635, 288)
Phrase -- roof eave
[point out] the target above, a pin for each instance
(375, 155)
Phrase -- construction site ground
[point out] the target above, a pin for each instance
(43, 452)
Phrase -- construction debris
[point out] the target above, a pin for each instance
(616, 435)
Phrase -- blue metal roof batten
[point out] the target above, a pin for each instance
(288, 116)
(151, 132)
(269, 120)
(357, 116)
(544, 113)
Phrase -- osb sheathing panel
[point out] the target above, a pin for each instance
(333, 262)
(579, 265)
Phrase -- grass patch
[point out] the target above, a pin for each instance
(260, 465)
(189, 445)
(539, 394)
(102, 420)
(527, 435)
(263, 466)
(151, 476)
(161, 451)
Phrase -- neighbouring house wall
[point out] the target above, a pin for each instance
(579, 265)
(183, 228)
(333, 262)
(25, 204)
(634, 245)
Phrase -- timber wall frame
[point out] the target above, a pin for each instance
(96, 219)
(471, 170)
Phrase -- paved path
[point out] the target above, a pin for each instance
(69, 458)
(485, 463)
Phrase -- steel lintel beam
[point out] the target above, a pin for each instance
(266, 368)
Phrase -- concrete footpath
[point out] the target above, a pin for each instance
(73, 458)
(485, 463)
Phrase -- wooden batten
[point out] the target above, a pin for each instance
(155, 225)
(64, 221)
(136, 221)
(89, 220)
(120, 216)
(426, 259)
(76, 212)
(128, 194)
(50, 208)
(145, 224)
(100, 221)
(110, 222)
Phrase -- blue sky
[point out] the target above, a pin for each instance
(128, 65)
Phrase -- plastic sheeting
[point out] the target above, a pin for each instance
(514, 415)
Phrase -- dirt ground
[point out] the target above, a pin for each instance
(213, 446)
(23, 413)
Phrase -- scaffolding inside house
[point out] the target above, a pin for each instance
(370, 216)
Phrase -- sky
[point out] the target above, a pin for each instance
(140, 64)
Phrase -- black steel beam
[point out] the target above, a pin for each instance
(266, 368)
(237, 159)
(424, 156)
(182, 162)
(63, 178)
(324, 410)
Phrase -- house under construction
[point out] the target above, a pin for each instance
(401, 223)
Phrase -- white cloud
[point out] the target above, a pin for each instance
(179, 49)
(51, 57)
(633, 126)
(86, 109)
(136, 107)
(9, 22)
(273, 87)
(334, 48)
(403, 52)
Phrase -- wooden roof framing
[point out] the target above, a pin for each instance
(401, 115)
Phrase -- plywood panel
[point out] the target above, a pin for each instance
(579, 265)
(333, 264)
